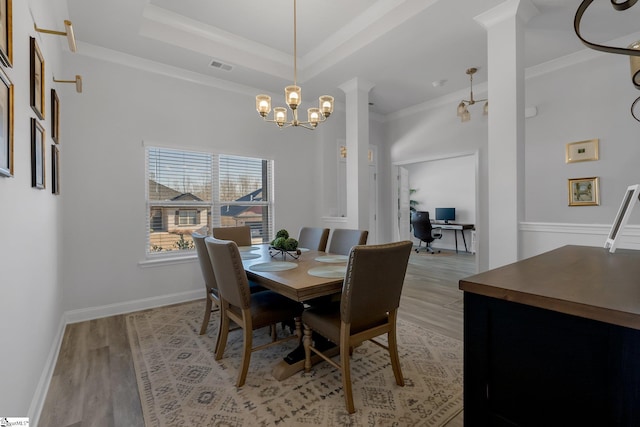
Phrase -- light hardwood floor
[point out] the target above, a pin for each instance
(94, 382)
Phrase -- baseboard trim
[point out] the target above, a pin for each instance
(40, 395)
(84, 314)
(75, 316)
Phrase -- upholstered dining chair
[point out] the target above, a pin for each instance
(368, 308)
(250, 311)
(343, 239)
(314, 238)
(240, 234)
(213, 299)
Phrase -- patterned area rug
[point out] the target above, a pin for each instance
(181, 384)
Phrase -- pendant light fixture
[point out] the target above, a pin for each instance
(463, 111)
(633, 50)
(293, 98)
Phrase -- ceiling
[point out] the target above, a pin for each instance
(400, 46)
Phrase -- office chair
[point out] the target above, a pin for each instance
(423, 230)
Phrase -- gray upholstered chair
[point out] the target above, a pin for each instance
(314, 238)
(210, 283)
(368, 308)
(250, 311)
(240, 234)
(343, 239)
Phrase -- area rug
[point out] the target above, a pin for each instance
(181, 384)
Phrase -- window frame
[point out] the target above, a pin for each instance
(213, 208)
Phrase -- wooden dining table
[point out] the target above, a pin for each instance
(301, 277)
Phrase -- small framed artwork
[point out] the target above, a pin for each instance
(6, 125)
(6, 33)
(55, 117)
(37, 154)
(55, 169)
(582, 151)
(584, 192)
(36, 81)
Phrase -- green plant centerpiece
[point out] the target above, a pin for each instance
(284, 245)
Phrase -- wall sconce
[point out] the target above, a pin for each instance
(71, 39)
(77, 81)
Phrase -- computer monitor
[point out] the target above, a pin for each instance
(445, 214)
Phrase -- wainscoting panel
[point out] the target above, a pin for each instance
(539, 237)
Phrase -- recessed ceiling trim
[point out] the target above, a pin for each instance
(169, 27)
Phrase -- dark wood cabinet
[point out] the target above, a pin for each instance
(554, 340)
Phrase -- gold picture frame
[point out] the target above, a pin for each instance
(582, 151)
(6, 33)
(36, 86)
(55, 117)
(6, 125)
(55, 169)
(37, 155)
(584, 191)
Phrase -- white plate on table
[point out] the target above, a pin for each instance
(332, 258)
(273, 266)
(249, 255)
(329, 271)
(303, 249)
(248, 248)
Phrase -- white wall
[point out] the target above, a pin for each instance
(103, 174)
(589, 99)
(30, 226)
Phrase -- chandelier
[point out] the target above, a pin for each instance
(633, 50)
(463, 111)
(293, 98)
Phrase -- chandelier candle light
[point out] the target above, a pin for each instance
(463, 112)
(293, 98)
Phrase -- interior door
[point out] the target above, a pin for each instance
(404, 213)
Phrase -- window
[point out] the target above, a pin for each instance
(190, 191)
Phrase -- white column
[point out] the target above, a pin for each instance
(357, 133)
(505, 25)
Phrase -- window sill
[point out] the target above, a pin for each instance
(168, 260)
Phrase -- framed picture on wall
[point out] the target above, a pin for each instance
(584, 191)
(582, 151)
(55, 117)
(37, 154)
(36, 81)
(55, 169)
(6, 33)
(6, 125)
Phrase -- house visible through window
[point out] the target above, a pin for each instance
(191, 191)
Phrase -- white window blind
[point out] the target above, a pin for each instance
(191, 191)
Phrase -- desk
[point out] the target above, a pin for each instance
(296, 284)
(554, 340)
(455, 227)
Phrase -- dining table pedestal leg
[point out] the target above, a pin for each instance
(284, 370)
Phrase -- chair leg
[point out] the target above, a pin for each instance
(218, 339)
(207, 316)
(307, 348)
(222, 333)
(393, 351)
(345, 367)
(246, 355)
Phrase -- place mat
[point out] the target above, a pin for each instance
(329, 271)
(249, 255)
(248, 248)
(273, 266)
(303, 249)
(333, 258)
